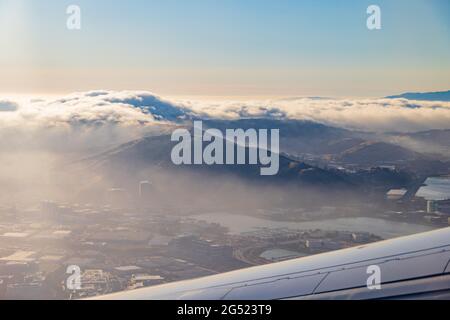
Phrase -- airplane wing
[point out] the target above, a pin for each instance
(413, 267)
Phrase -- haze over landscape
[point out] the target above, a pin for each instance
(86, 119)
(81, 125)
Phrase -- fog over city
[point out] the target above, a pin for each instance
(48, 143)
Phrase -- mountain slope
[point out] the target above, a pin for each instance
(424, 96)
(377, 153)
(131, 159)
(240, 185)
(298, 136)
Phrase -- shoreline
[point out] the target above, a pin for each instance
(378, 226)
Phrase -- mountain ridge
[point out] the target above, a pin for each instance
(423, 96)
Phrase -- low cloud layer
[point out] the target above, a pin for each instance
(41, 138)
(380, 115)
(94, 108)
(123, 115)
(91, 120)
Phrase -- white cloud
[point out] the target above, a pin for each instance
(83, 120)
(139, 109)
(362, 114)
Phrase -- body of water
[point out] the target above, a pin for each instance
(437, 188)
(384, 228)
(281, 254)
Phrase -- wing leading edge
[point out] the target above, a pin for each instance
(414, 267)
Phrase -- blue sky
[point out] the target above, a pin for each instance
(226, 47)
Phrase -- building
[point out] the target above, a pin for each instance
(120, 237)
(94, 282)
(145, 280)
(146, 193)
(323, 245)
(159, 241)
(204, 253)
(117, 197)
(2, 288)
(444, 206)
(432, 206)
(145, 189)
(127, 270)
(396, 194)
(27, 291)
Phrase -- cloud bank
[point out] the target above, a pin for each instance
(126, 114)
(379, 115)
(93, 108)
(366, 115)
(90, 120)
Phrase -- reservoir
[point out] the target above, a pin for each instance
(386, 229)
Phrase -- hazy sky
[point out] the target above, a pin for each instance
(225, 47)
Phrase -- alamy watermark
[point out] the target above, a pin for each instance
(238, 146)
(374, 280)
(74, 17)
(73, 282)
(374, 19)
